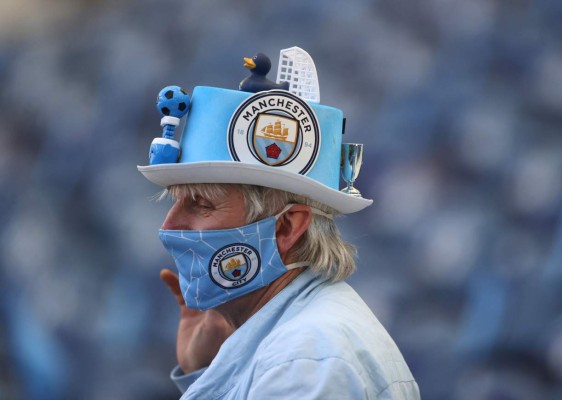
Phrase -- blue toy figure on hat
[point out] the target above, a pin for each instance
(259, 65)
(173, 103)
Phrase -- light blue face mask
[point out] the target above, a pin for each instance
(216, 266)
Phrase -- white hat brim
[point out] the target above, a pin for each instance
(236, 172)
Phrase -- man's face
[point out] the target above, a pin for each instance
(204, 214)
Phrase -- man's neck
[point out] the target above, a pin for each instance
(239, 310)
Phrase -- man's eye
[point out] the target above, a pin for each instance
(203, 204)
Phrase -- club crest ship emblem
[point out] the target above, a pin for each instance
(275, 128)
(275, 138)
(234, 265)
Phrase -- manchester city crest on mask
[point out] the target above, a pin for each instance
(234, 265)
(275, 128)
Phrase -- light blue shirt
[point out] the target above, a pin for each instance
(314, 340)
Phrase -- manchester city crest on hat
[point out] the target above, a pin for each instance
(234, 265)
(275, 128)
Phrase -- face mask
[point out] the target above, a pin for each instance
(216, 266)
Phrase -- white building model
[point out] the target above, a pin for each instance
(297, 67)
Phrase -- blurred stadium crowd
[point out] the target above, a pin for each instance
(458, 103)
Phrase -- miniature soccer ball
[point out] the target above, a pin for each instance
(173, 101)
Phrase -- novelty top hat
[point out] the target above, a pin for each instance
(273, 137)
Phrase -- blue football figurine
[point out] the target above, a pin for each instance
(259, 65)
(173, 103)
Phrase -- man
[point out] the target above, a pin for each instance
(265, 313)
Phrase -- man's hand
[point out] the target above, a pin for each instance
(200, 333)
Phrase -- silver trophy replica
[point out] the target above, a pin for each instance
(351, 160)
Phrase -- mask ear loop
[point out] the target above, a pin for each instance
(316, 211)
(322, 213)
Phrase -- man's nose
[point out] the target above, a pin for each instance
(174, 219)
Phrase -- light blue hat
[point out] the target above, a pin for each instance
(271, 138)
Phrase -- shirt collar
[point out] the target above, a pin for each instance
(238, 350)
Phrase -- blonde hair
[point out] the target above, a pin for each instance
(321, 244)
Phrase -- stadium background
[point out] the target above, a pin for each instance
(458, 103)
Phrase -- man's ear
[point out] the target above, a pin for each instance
(290, 228)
